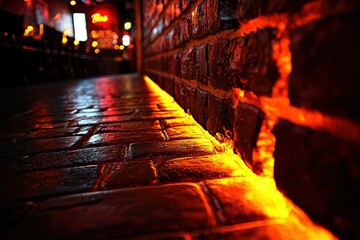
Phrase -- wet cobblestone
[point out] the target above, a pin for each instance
(113, 157)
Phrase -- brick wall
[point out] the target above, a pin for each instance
(280, 79)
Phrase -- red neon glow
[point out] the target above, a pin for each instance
(97, 17)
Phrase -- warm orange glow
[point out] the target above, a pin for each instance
(282, 56)
(94, 44)
(41, 30)
(64, 39)
(261, 22)
(72, 2)
(258, 193)
(310, 12)
(29, 30)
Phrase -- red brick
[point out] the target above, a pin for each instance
(199, 168)
(327, 78)
(252, 66)
(212, 15)
(35, 185)
(199, 21)
(57, 132)
(37, 145)
(280, 230)
(218, 66)
(176, 133)
(201, 107)
(175, 122)
(247, 125)
(123, 137)
(250, 9)
(125, 174)
(169, 85)
(188, 63)
(168, 150)
(72, 158)
(130, 126)
(132, 211)
(201, 66)
(221, 113)
(257, 196)
(305, 162)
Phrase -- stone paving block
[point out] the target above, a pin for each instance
(200, 168)
(176, 133)
(159, 115)
(57, 132)
(173, 149)
(275, 229)
(130, 126)
(247, 199)
(22, 125)
(22, 186)
(37, 145)
(11, 136)
(50, 125)
(119, 213)
(176, 122)
(123, 137)
(72, 158)
(96, 120)
(129, 174)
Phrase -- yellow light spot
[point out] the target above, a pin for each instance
(127, 25)
(94, 44)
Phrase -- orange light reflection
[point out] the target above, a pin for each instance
(249, 192)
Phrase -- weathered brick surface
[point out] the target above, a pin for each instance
(201, 107)
(177, 133)
(199, 168)
(57, 132)
(29, 146)
(247, 126)
(218, 66)
(252, 66)
(176, 148)
(151, 125)
(75, 192)
(226, 190)
(250, 9)
(34, 185)
(125, 174)
(325, 170)
(119, 213)
(221, 115)
(122, 138)
(70, 158)
(239, 66)
(325, 78)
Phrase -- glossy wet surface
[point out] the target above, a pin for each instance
(115, 157)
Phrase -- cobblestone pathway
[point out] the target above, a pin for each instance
(115, 158)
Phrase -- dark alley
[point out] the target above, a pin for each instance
(179, 119)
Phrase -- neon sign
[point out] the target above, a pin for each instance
(97, 17)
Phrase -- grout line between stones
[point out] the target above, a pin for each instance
(214, 203)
